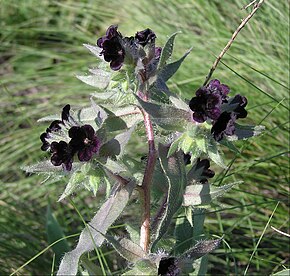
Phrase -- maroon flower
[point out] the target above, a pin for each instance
(144, 37)
(205, 173)
(225, 124)
(113, 51)
(84, 141)
(168, 267)
(61, 154)
(208, 101)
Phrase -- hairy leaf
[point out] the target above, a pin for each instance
(170, 69)
(129, 250)
(167, 50)
(174, 171)
(143, 267)
(99, 80)
(203, 194)
(244, 132)
(115, 147)
(105, 217)
(166, 116)
(200, 249)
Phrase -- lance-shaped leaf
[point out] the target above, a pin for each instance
(42, 167)
(115, 147)
(170, 69)
(167, 50)
(174, 171)
(100, 79)
(143, 267)
(203, 194)
(214, 154)
(180, 104)
(200, 249)
(166, 116)
(95, 50)
(129, 250)
(244, 132)
(90, 236)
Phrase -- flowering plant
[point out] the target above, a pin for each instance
(88, 147)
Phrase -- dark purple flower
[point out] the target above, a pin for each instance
(205, 105)
(218, 88)
(225, 124)
(54, 127)
(84, 141)
(240, 102)
(168, 267)
(144, 37)
(61, 154)
(208, 101)
(113, 51)
(204, 165)
(65, 113)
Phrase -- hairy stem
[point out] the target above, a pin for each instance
(241, 26)
(148, 175)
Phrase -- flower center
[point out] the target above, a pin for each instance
(87, 141)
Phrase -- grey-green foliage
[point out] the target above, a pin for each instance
(91, 236)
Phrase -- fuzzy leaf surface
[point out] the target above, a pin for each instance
(167, 50)
(129, 250)
(170, 69)
(174, 170)
(166, 116)
(203, 194)
(244, 132)
(105, 217)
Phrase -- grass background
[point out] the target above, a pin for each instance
(40, 54)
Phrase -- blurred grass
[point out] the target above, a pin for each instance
(40, 54)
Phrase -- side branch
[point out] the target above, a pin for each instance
(148, 175)
(241, 26)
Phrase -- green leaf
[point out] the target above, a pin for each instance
(203, 194)
(170, 69)
(166, 116)
(180, 104)
(133, 232)
(100, 79)
(95, 50)
(76, 179)
(42, 167)
(229, 145)
(143, 267)
(129, 250)
(115, 147)
(105, 217)
(54, 233)
(174, 146)
(201, 143)
(167, 50)
(186, 144)
(214, 155)
(200, 249)
(174, 171)
(244, 132)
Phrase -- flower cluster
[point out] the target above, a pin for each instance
(212, 102)
(81, 140)
(115, 47)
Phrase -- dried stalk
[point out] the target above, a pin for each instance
(241, 26)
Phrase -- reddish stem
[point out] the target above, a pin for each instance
(148, 175)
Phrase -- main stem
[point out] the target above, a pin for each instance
(148, 175)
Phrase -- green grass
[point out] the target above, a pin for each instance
(40, 54)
